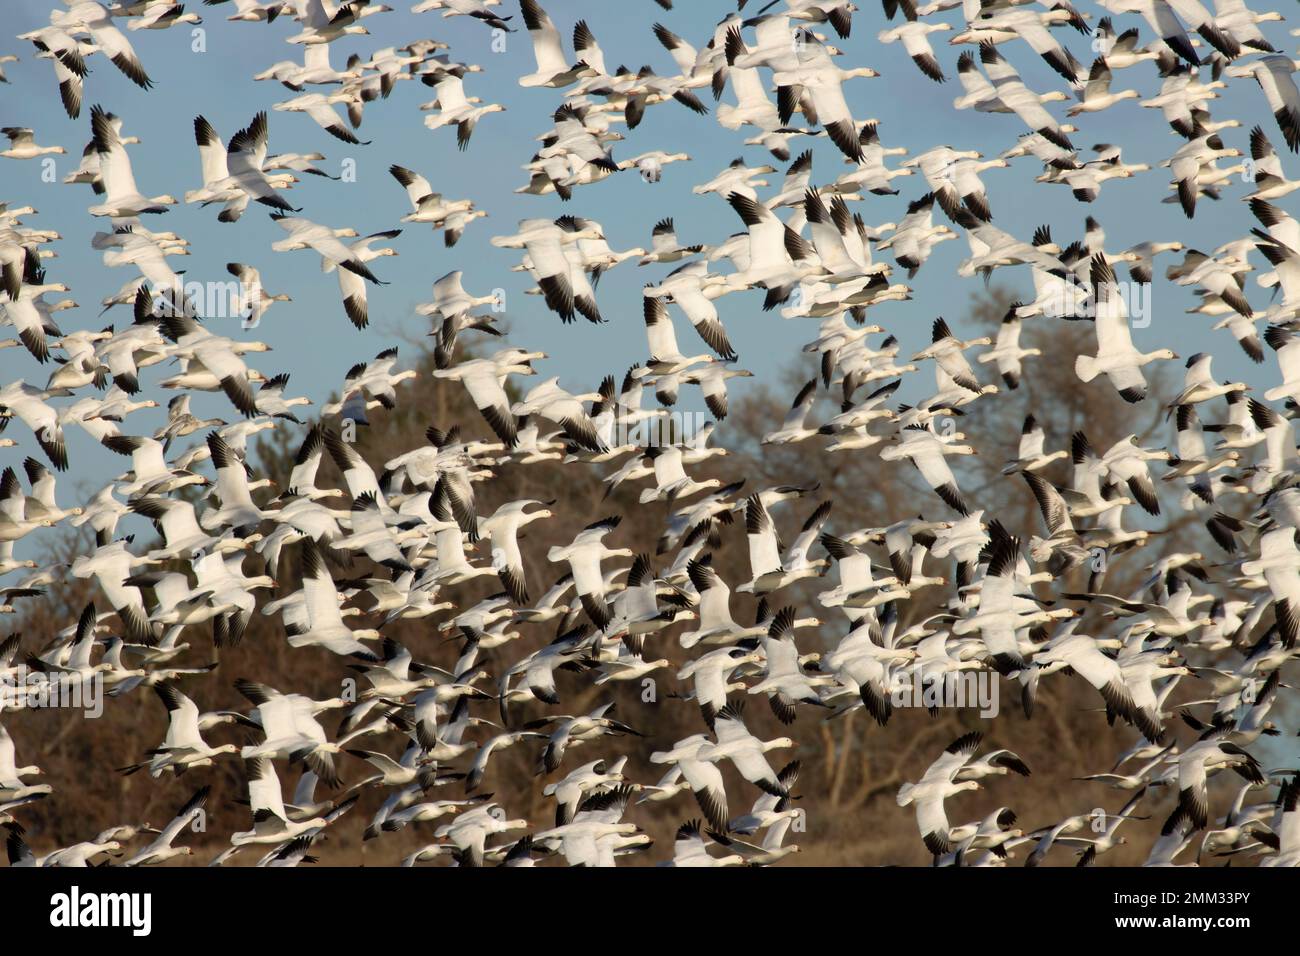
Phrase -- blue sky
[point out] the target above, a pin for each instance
(311, 336)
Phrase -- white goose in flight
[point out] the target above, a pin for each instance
(1116, 357)
(938, 784)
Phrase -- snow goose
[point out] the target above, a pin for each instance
(496, 743)
(712, 379)
(928, 452)
(183, 747)
(68, 54)
(454, 109)
(14, 522)
(666, 357)
(937, 784)
(1121, 50)
(1140, 778)
(111, 565)
(258, 11)
(304, 234)
(651, 164)
(181, 422)
(290, 728)
(77, 669)
(716, 621)
(427, 812)
(1097, 95)
(746, 752)
(1162, 19)
(1126, 463)
(578, 142)
(691, 849)
(769, 570)
(999, 617)
(325, 626)
(1030, 455)
(271, 822)
(1279, 563)
(1088, 848)
(596, 836)
(1116, 356)
(393, 773)
(320, 26)
(553, 69)
(150, 472)
(572, 731)
(22, 144)
(1013, 93)
(352, 288)
(320, 107)
(1193, 168)
(752, 107)
(270, 400)
(711, 676)
(370, 534)
(784, 681)
(992, 248)
(823, 81)
(80, 854)
(694, 290)
(1081, 653)
(768, 811)
(1034, 29)
(484, 379)
(584, 555)
(503, 529)
(571, 791)
(672, 484)
(161, 849)
(122, 198)
(1285, 826)
(947, 350)
(1197, 762)
(108, 39)
(770, 265)
(737, 178)
(858, 588)
(914, 35)
(245, 158)
(237, 510)
(453, 305)
(1266, 172)
(665, 246)
(794, 428)
(1199, 384)
(545, 242)
(12, 786)
(478, 9)
(548, 400)
(1181, 100)
(775, 43)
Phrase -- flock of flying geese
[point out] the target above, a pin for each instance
(227, 545)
